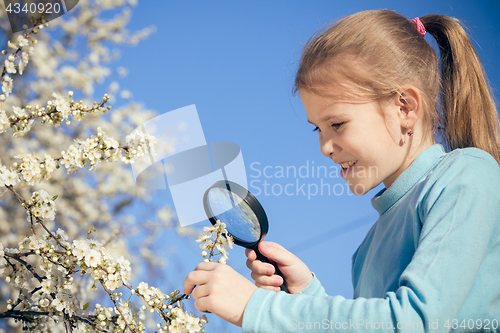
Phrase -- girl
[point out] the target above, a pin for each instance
(370, 85)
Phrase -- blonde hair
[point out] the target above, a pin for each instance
(370, 55)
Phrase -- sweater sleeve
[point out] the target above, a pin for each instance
(458, 214)
(314, 288)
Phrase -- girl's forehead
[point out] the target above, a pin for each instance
(340, 91)
(318, 105)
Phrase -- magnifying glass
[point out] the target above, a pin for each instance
(242, 213)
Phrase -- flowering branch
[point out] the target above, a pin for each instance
(55, 112)
(94, 151)
(23, 41)
(17, 257)
(216, 237)
(118, 308)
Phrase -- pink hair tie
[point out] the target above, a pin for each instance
(420, 26)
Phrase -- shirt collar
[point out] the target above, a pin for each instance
(424, 162)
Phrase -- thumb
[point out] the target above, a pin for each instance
(277, 253)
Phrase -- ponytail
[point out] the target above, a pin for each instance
(467, 112)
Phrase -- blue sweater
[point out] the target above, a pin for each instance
(431, 262)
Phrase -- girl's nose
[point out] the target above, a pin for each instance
(329, 148)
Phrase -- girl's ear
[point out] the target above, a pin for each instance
(409, 102)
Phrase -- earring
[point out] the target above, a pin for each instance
(409, 133)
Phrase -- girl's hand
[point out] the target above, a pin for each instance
(297, 275)
(219, 290)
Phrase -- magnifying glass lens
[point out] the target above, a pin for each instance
(234, 211)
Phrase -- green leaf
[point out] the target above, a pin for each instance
(86, 306)
(54, 197)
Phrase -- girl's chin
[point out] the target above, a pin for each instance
(358, 189)
(359, 178)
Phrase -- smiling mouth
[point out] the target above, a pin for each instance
(347, 165)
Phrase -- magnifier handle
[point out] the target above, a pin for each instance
(276, 269)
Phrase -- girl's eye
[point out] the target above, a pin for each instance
(335, 126)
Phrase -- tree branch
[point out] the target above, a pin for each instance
(28, 266)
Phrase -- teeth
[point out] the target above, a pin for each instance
(347, 164)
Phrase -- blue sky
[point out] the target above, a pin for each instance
(236, 61)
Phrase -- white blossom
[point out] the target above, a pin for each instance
(43, 206)
(80, 247)
(10, 67)
(19, 112)
(4, 121)
(92, 258)
(11, 45)
(58, 304)
(7, 85)
(35, 167)
(25, 129)
(143, 288)
(62, 105)
(8, 177)
(22, 41)
(44, 302)
(23, 62)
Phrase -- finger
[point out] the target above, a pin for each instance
(249, 264)
(270, 288)
(276, 253)
(262, 280)
(251, 255)
(200, 291)
(206, 266)
(203, 304)
(194, 278)
(261, 268)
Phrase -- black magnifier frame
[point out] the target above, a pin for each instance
(257, 209)
(246, 197)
